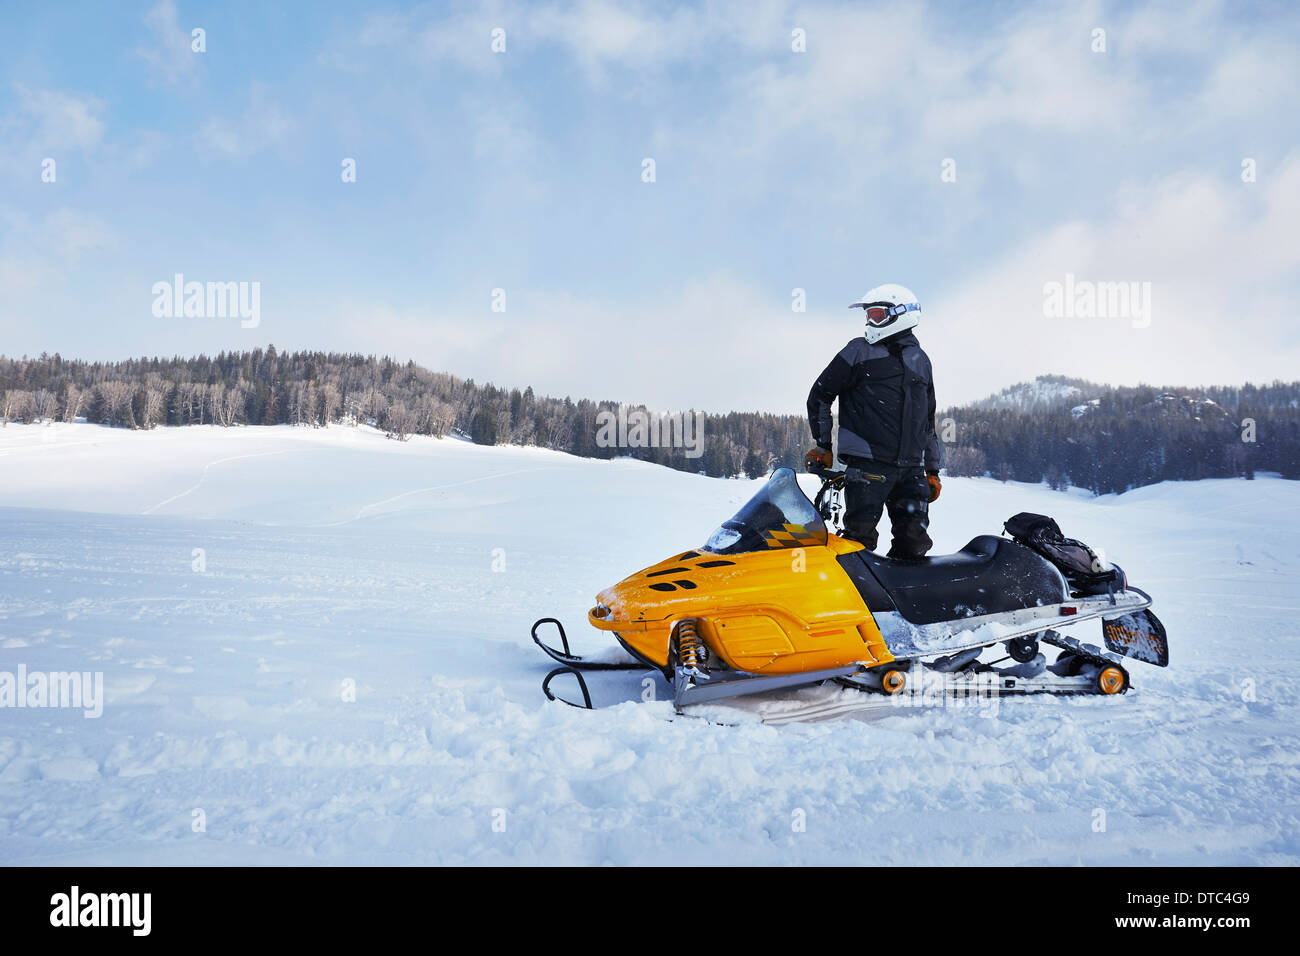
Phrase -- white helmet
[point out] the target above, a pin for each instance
(890, 309)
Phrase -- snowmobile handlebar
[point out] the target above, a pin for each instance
(824, 501)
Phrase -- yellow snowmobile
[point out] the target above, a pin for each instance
(775, 600)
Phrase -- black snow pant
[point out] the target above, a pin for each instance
(872, 486)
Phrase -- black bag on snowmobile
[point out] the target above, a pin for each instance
(1078, 562)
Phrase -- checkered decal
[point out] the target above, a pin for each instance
(793, 536)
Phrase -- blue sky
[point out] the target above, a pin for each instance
(775, 170)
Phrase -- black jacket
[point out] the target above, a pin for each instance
(886, 394)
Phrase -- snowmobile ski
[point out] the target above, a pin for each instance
(574, 661)
(582, 685)
(574, 664)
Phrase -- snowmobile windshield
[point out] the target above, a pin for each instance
(779, 516)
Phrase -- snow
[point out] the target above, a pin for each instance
(343, 674)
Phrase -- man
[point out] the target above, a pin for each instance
(887, 441)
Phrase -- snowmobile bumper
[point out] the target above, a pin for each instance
(603, 618)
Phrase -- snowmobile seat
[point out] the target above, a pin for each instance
(988, 576)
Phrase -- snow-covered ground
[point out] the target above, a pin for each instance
(232, 585)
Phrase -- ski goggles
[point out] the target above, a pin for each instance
(881, 313)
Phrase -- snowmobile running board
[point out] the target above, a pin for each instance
(943, 638)
(737, 683)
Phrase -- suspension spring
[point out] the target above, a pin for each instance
(692, 652)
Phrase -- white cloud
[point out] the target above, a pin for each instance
(463, 38)
(1223, 260)
(141, 148)
(61, 236)
(51, 121)
(71, 233)
(715, 343)
(1068, 163)
(264, 124)
(599, 35)
(37, 267)
(169, 50)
